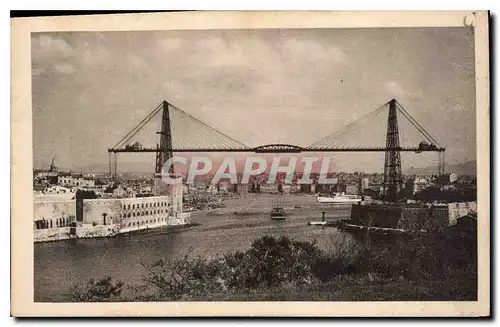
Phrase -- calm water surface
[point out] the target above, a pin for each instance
(61, 265)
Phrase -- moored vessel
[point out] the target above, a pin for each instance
(278, 211)
(339, 198)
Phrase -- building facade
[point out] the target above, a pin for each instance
(69, 180)
(365, 183)
(134, 213)
(56, 220)
(53, 214)
(130, 213)
(419, 183)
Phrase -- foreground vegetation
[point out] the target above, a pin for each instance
(431, 267)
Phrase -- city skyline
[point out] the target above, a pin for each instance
(258, 86)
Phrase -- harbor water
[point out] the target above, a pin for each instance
(59, 266)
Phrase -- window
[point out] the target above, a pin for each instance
(142, 206)
(128, 216)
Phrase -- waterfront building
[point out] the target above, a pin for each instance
(57, 220)
(130, 213)
(419, 183)
(351, 189)
(53, 214)
(70, 180)
(365, 183)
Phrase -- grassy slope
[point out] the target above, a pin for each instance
(450, 290)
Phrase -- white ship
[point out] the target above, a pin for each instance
(339, 198)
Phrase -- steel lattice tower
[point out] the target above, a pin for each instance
(165, 141)
(392, 166)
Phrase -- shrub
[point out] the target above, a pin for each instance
(284, 263)
(184, 278)
(275, 261)
(100, 290)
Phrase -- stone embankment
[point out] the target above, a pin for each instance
(66, 233)
(98, 231)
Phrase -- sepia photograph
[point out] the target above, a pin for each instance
(250, 165)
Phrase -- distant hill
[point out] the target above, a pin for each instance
(135, 167)
(148, 167)
(466, 168)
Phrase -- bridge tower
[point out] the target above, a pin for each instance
(392, 168)
(164, 150)
(163, 153)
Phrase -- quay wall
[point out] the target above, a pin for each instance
(82, 231)
(411, 218)
(386, 216)
(416, 219)
(51, 234)
(457, 210)
(89, 231)
(86, 218)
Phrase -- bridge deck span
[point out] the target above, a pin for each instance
(295, 150)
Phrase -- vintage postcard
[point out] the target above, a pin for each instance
(251, 164)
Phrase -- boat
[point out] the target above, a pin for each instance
(278, 212)
(323, 221)
(339, 198)
(317, 223)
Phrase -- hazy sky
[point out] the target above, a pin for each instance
(258, 86)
